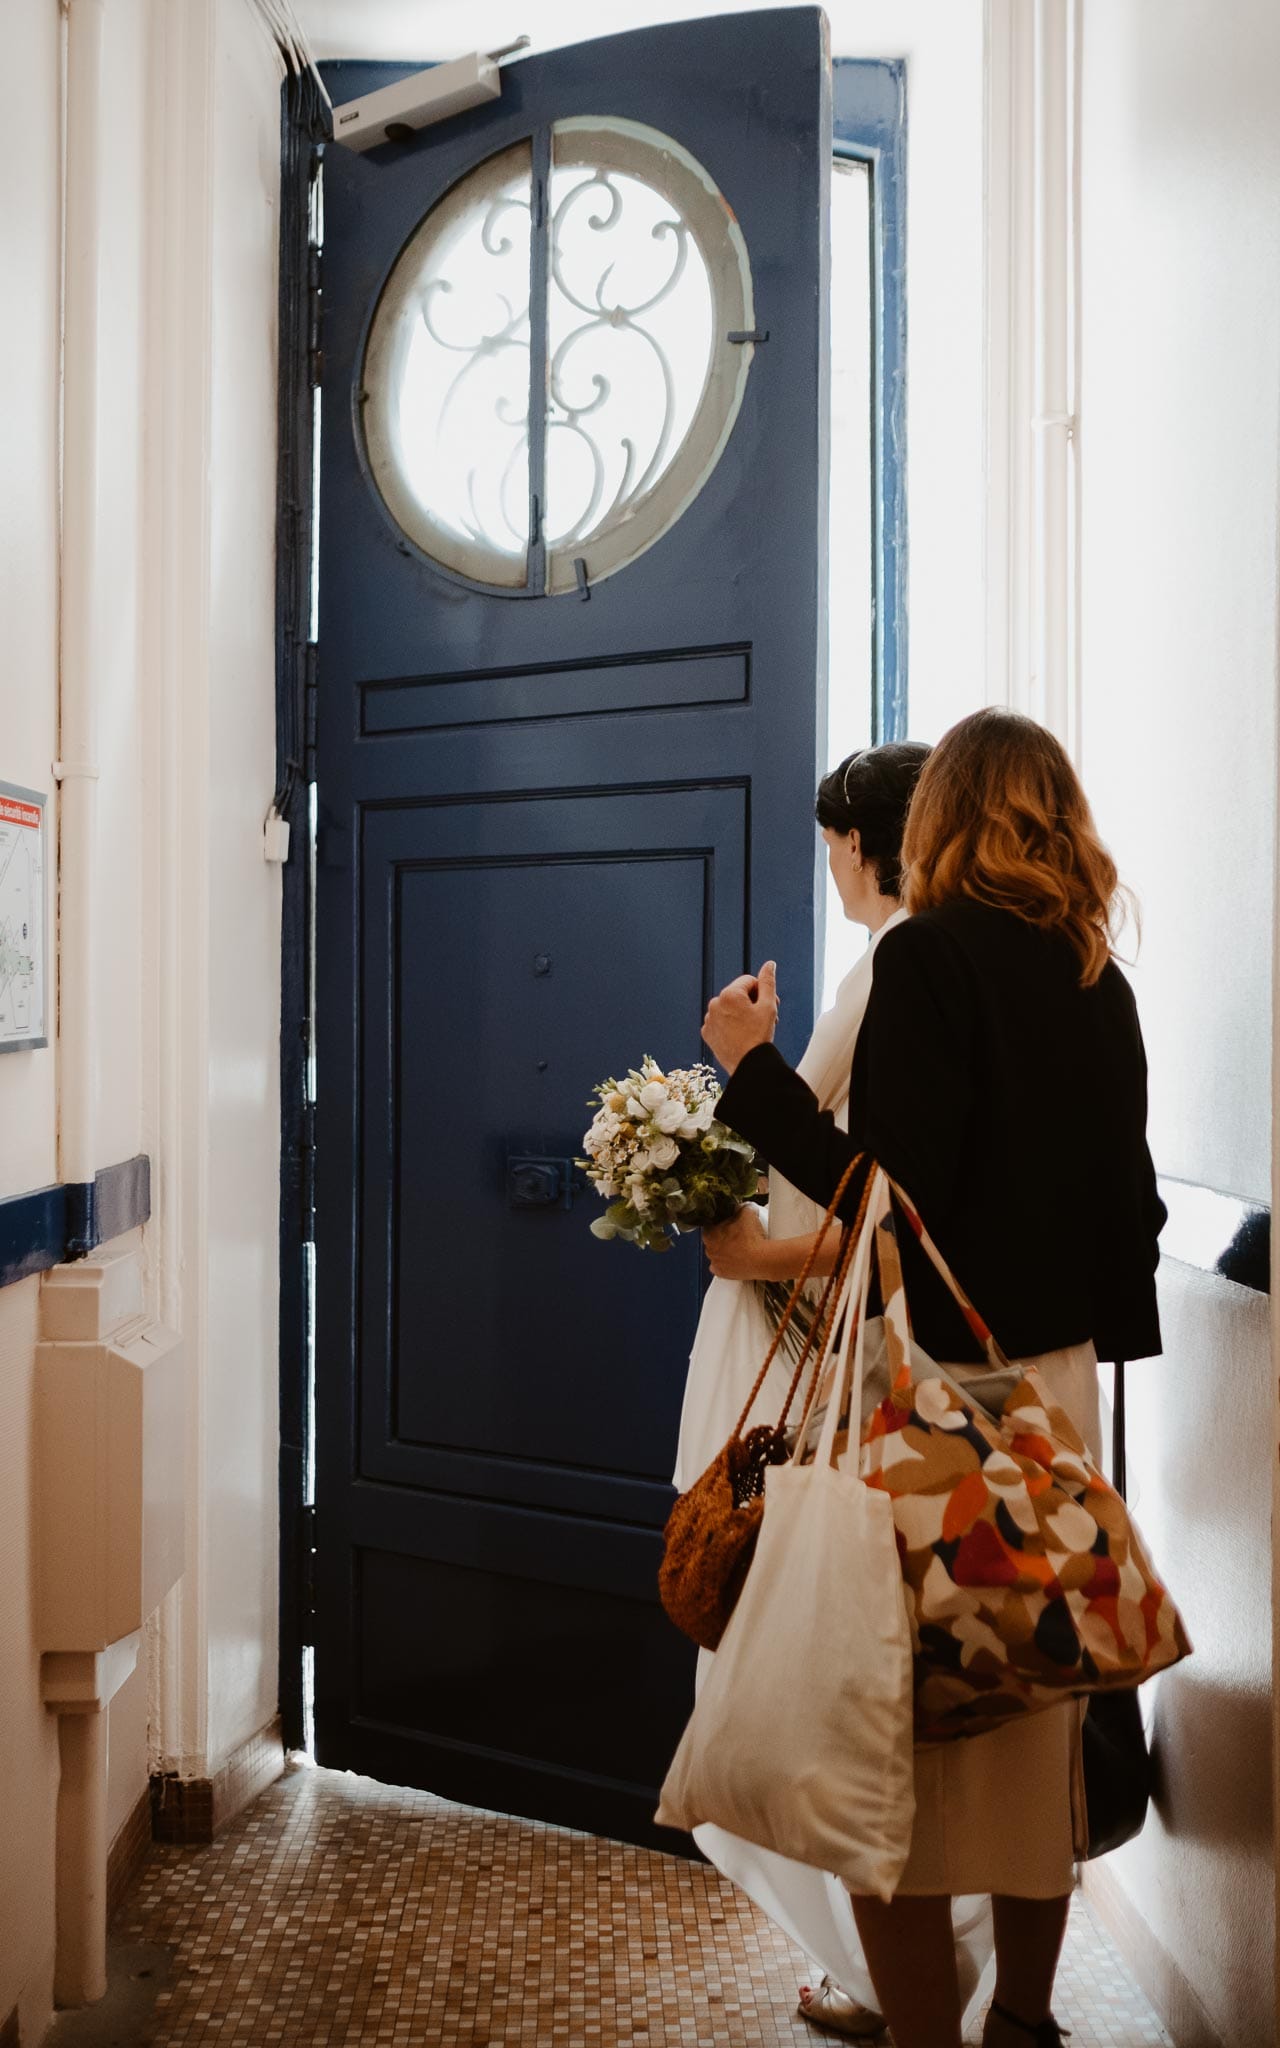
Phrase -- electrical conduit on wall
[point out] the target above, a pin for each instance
(80, 1972)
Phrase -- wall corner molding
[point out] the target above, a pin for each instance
(128, 1852)
(196, 1810)
(1008, 347)
(179, 342)
(1031, 196)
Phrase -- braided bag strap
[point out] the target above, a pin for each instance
(819, 1332)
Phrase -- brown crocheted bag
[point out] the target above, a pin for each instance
(711, 1532)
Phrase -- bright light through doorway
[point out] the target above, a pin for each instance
(850, 569)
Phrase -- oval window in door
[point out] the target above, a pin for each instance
(615, 299)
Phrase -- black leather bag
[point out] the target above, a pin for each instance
(1117, 1762)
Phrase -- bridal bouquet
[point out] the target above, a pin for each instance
(657, 1152)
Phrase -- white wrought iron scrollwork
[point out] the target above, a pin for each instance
(623, 420)
(448, 373)
(638, 269)
(479, 349)
(488, 324)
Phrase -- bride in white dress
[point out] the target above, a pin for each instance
(861, 808)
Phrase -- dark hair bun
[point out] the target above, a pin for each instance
(869, 794)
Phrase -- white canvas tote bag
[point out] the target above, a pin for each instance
(801, 1737)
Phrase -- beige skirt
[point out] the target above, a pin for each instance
(1004, 1812)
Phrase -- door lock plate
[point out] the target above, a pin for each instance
(536, 1182)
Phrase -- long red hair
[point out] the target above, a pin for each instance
(998, 815)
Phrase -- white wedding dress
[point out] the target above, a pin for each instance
(734, 1333)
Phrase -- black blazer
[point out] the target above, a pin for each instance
(1011, 1105)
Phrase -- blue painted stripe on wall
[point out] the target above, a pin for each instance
(33, 1233)
(54, 1224)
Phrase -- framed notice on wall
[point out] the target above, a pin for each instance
(23, 961)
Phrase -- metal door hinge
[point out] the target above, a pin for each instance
(309, 1173)
(311, 694)
(315, 319)
(307, 1574)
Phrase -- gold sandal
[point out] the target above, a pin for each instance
(834, 2012)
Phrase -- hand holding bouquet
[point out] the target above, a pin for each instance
(657, 1151)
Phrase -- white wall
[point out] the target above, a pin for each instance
(186, 960)
(242, 1396)
(121, 681)
(120, 655)
(1178, 435)
(28, 1735)
(943, 47)
(29, 164)
(213, 909)
(1180, 414)
(1202, 1873)
(193, 1010)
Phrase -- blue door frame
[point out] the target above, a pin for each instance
(303, 125)
(870, 124)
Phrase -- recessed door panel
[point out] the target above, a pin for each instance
(448, 1678)
(593, 941)
(662, 682)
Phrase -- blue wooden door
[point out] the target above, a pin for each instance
(555, 814)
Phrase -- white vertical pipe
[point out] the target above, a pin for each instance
(183, 65)
(1010, 351)
(166, 844)
(1275, 1345)
(80, 1964)
(81, 622)
(1074, 734)
(1052, 389)
(81, 1853)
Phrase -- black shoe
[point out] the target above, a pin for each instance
(1047, 2035)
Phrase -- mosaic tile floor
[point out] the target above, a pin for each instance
(338, 1911)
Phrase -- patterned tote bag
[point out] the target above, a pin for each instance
(1027, 1580)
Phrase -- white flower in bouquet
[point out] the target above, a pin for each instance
(671, 1115)
(660, 1156)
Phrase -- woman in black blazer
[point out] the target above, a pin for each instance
(999, 1077)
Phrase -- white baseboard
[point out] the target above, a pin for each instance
(1173, 1998)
